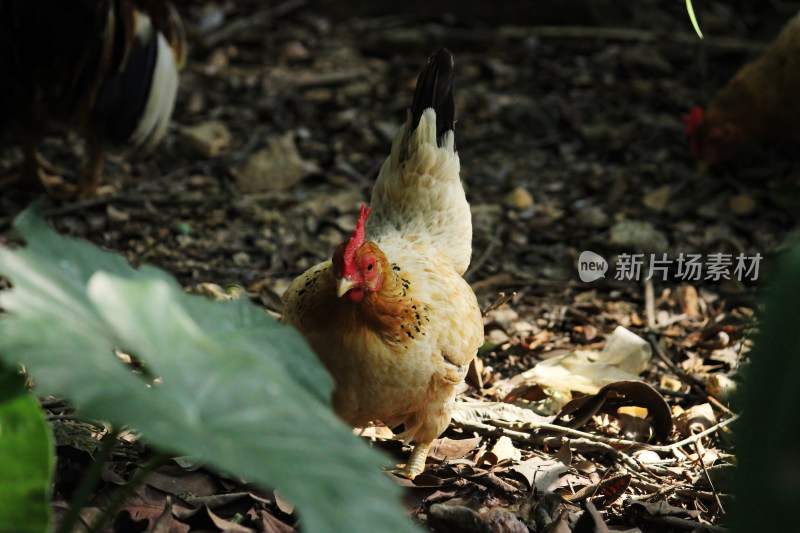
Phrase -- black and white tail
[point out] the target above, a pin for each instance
(418, 199)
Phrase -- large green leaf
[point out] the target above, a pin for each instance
(26, 459)
(767, 447)
(234, 387)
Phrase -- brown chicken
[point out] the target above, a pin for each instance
(391, 316)
(105, 68)
(760, 103)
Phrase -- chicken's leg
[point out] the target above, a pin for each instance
(36, 171)
(49, 168)
(416, 462)
(89, 178)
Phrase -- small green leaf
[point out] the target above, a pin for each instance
(26, 464)
(235, 388)
(690, 10)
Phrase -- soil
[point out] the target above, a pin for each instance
(570, 136)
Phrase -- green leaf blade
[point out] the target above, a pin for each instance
(234, 387)
(26, 465)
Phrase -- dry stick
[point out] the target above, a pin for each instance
(527, 437)
(502, 299)
(711, 483)
(686, 378)
(518, 33)
(244, 23)
(478, 263)
(133, 196)
(683, 491)
(53, 418)
(650, 304)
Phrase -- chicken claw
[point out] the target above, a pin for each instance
(416, 462)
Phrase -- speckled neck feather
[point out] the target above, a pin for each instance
(348, 263)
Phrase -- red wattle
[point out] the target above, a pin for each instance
(355, 295)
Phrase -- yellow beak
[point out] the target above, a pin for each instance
(344, 285)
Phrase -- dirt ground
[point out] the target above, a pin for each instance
(570, 136)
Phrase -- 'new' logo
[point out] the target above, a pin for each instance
(591, 266)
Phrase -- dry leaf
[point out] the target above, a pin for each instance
(695, 419)
(544, 474)
(477, 412)
(447, 449)
(502, 450)
(624, 357)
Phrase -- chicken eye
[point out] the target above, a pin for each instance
(369, 266)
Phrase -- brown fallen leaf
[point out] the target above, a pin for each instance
(446, 518)
(206, 519)
(605, 493)
(544, 474)
(502, 450)
(266, 523)
(590, 521)
(561, 525)
(615, 395)
(446, 449)
(147, 518)
(695, 419)
(689, 300)
(283, 504)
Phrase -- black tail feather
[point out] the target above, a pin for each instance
(435, 89)
(122, 100)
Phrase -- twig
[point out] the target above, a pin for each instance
(53, 418)
(686, 492)
(650, 304)
(502, 299)
(400, 37)
(478, 263)
(242, 24)
(610, 441)
(711, 483)
(132, 196)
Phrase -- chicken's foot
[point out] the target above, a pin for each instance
(416, 462)
(36, 172)
(90, 173)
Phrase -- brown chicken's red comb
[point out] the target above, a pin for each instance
(693, 120)
(355, 241)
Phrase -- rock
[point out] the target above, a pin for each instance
(742, 205)
(504, 317)
(519, 199)
(295, 51)
(274, 168)
(497, 337)
(117, 216)
(657, 200)
(592, 217)
(638, 235)
(206, 140)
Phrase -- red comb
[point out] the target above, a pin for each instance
(693, 120)
(349, 267)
